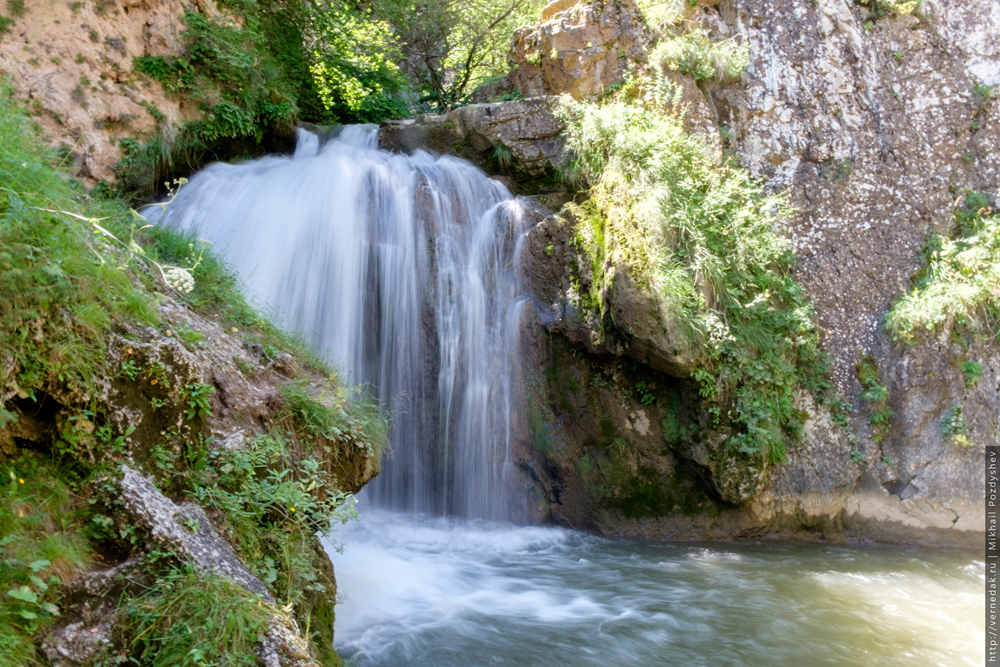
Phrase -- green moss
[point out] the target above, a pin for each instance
(645, 493)
(541, 432)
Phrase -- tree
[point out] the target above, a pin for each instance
(448, 47)
(353, 62)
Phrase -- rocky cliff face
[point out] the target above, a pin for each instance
(875, 123)
(71, 62)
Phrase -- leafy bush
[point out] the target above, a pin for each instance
(703, 238)
(693, 53)
(959, 286)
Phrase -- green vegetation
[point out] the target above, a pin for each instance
(973, 371)
(189, 619)
(449, 47)
(876, 9)
(701, 237)
(41, 549)
(876, 395)
(685, 47)
(259, 66)
(958, 289)
(692, 52)
(63, 288)
(74, 268)
(955, 427)
(247, 77)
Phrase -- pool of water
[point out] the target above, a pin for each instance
(433, 591)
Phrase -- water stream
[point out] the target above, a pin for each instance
(454, 593)
(404, 271)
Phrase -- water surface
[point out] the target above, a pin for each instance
(429, 591)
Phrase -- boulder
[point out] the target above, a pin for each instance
(521, 136)
(578, 48)
(184, 529)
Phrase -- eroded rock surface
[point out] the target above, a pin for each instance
(184, 529)
(875, 125)
(71, 62)
(583, 49)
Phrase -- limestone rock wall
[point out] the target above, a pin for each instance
(71, 62)
(874, 126)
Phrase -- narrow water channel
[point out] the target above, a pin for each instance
(434, 591)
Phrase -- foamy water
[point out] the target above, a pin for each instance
(430, 591)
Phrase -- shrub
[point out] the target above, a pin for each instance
(959, 286)
(955, 427)
(694, 53)
(703, 238)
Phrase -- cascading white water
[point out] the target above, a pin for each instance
(404, 272)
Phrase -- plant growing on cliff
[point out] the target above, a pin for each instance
(958, 289)
(701, 237)
(876, 395)
(955, 427)
(692, 52)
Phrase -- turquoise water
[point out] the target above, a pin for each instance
(423, 591)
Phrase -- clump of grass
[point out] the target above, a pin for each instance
(189, 619)
(692, 52)
(959, 286)
(703, 238)
(41, 549)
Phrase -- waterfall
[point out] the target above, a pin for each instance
(403, 270)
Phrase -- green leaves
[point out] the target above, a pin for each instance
(198, 397)
(24, 594)
(701, 238)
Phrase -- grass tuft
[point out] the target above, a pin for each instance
(188, 619)
(958, 289)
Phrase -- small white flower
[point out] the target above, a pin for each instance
(180, 279)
